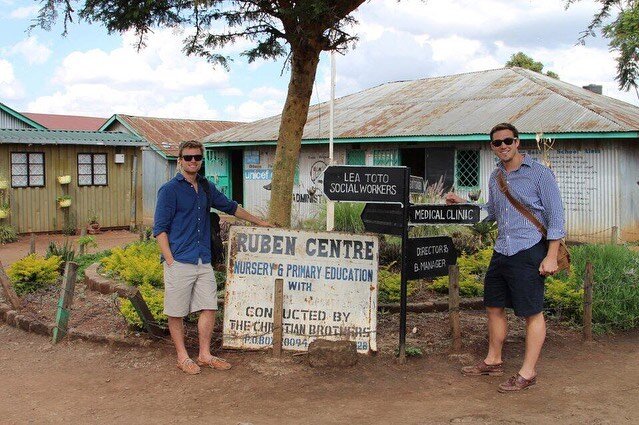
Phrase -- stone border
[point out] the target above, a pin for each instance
(19, 321)
(96, 282)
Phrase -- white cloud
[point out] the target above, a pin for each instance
(161, 66)
(10, 87)
(193, 107)
(31, 50)
(24, 12)
(230, 91)
(271, 93)
(252, 110)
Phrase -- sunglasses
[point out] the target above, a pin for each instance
(507, 141)
(189, 158)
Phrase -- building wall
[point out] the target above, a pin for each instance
(597, 179)
(9, 121)
(156, 171)
(35, 209)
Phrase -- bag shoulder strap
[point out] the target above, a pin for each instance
(503, 187)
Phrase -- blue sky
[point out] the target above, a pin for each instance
(92, 73)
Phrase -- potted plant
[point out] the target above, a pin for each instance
(64, 201)
(93, 228)
(4, 185)
(4, 210)
(64, 179)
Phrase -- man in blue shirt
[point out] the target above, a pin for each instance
(522, 258)
(182, 227)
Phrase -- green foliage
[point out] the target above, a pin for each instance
(85, 242)
(623, 35)
(522, 60)
(472, 270)
(70, 226)
(33, 272)
(564, 298)
(8, 234)
(390, 285)
(616, 283)
(410, 351)
(137, 264)
(390, 251)
(154, 298)
(65, 251)
(487, 231)
(347, 218)
(86, 260)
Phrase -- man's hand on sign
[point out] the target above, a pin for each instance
(453, 198)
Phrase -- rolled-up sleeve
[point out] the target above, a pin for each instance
(553, 207)
(164, 210)
(221, 202)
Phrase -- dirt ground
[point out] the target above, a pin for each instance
(83, 382)
(10, 253)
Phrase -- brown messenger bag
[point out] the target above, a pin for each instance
(563, 256)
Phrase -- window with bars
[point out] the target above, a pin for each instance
(92, 169)
(27, 169)
(467, 169)
(386, 157)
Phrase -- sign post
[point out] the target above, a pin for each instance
(404, 277)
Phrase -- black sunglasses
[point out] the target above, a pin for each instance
(507, 141)
(189, 158)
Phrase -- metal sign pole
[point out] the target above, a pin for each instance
(330, 205)
(404, 283)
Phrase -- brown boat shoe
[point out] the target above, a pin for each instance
(215, 363)
(482, 368)
(516, 383)
(189, 367)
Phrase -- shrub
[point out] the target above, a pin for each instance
(390, 285)
(137, 264)
(347, 218)
(616, 284)
(86, 260)
(390, 251)
(562, 297)
(66, 252)
(8, 234)
(154, 299)
(472, 270)
(33, 272)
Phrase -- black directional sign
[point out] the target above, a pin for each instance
(383, 218)
(416, 184)
(443, 214)
(364, 184)
(430, 257)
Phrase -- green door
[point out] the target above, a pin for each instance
(217, 170)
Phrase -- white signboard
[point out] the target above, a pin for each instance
(330, 287)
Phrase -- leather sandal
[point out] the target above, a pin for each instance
(215, 363)
(517, 383)
(482, 368)
(189, 367)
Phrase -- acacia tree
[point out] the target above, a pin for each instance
(522, 60)
(296, 29)
(623, 36)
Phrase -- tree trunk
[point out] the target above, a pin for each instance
(300, 88)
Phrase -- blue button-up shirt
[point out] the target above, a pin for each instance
(184, 215)
(534, 185)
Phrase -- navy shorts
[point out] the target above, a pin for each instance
(514, 281)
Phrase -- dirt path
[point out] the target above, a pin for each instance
(79, 382)
(10, 253)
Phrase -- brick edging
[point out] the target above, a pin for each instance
(20, 321)
(96, 282)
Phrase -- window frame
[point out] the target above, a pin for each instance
(92, 164)
(457, 169)
(28, 175)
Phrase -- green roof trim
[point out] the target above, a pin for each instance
(432, 139)
(21, 117)
(63, 137)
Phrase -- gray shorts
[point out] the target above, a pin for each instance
(189, 288)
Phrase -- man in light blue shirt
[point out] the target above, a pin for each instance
(522, 257)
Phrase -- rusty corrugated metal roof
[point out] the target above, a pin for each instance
(167, 133)
(460, 104)
(66, 122)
